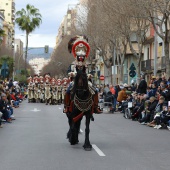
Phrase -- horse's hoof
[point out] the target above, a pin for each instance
(87, 147)
(73, 143)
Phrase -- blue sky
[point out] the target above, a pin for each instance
(52, 12)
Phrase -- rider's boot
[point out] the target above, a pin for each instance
(66, 103)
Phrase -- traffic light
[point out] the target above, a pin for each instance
(46, 48)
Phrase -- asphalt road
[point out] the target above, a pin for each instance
(36, 140)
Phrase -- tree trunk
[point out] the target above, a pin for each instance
(26, 51)
(138, 69)
(121, 73)
(167, 59)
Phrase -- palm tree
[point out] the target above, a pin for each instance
(28, 20)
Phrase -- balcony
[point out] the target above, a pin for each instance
(143, 65)
(161, 63)
(13, 6)
(13, 17)
(2, 16)
(147, 65)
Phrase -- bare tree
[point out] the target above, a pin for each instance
(110, 26)
(158, 13)
(60, 59)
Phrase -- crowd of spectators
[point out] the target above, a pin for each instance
(11, 95)
(150, 101)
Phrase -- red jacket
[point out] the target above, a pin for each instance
(13, 97)
(20, 96)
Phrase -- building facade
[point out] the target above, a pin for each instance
(9, 23)
(67, 25)
(19, 47)
(2, 18)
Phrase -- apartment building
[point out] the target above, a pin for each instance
(2, 17)
(8, 6)
(147, 65)
(67, 24)
(19, 46)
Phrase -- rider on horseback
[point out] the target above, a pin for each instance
(80, 49)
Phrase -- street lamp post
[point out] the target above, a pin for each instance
(113, 58)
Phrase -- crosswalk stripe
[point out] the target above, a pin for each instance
(100, 153)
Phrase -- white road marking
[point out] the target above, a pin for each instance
(61, 109)
(35, 110)
(98, 150)
(81, 130)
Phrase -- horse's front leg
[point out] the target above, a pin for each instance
(69, 122)
(87, 146)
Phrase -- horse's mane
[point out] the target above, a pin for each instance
(83, 75)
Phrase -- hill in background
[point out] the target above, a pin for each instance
(39, 53)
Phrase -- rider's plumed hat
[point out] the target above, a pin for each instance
(80, 49)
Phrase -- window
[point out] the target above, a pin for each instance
(69, 16)
(6, 3)
(160, 44)
(148, 53)
(9, 14)
(69, 24)
(68, 33)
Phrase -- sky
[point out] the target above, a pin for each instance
(52, 12)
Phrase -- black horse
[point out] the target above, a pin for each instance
(83, 103)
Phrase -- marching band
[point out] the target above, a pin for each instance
(48, 90)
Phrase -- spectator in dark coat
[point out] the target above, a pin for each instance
(165, 92)
(10, 84)
(164, 80)
(4, 109)
(133, 87)
(149, 110)
(157, 81)
(141, 108)
(117, 89)
(142, 86)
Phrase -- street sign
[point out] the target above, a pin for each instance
(101, 77)
(132, 69)
(4, 70)
(132, 73)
